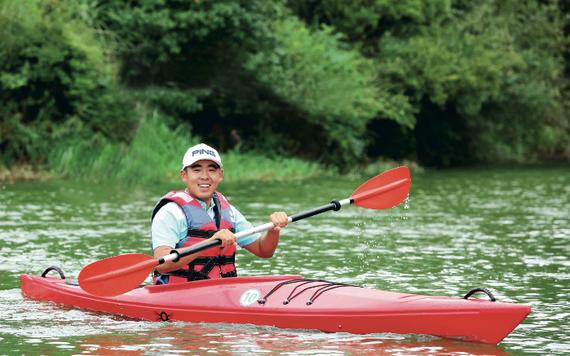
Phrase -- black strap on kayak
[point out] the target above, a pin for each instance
(322, 285)
(292, 295)
(264, 299)
(322, 290)
(72, 282)
(480, 290)
(54, 268)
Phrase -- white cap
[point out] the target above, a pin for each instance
(200, 152)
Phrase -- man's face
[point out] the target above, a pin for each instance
(202, 179)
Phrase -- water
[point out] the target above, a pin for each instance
(504, 229)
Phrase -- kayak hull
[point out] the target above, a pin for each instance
(293, 302)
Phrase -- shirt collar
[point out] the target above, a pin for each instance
(203, 203)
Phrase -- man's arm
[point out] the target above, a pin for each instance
(265, 246)
(168, 227)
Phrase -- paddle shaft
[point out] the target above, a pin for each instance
(175, 255)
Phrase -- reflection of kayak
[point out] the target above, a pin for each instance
(294, 302)
(178, 338)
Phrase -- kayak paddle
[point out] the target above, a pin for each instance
(120, 274)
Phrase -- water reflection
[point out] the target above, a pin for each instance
(224, 339)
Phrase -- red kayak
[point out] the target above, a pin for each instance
(295, 302)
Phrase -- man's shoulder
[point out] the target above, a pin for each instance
(171, 209)
(235, 214)
(179, 196)
(233, 208)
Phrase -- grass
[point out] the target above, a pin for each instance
(240, 166)
(154, 156)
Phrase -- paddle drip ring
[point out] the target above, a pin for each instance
(336, 204)
(54, 268)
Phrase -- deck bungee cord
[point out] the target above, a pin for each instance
(323, 287)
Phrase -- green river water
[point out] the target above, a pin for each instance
(504, 229)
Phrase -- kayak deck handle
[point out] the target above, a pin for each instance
(480, 290)
(54, 268)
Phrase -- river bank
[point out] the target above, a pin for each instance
(22, 173)
(239, 168)
(153, 157)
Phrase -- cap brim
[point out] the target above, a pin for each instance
(190, 164)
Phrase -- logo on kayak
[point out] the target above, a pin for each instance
(249, 297)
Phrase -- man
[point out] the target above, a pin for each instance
(198, 213)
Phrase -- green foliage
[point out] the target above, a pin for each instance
(251, 166)
(445, 82)
(190, 42)
(174, 102)
(55, 82)
(154, 156)
(474, 81)
(254, 60)
(332, 86)
(366, 21)
(88, 158)
(155, 152)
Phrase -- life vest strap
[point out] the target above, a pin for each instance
(215, 260)
(205, 234)
(208, 264)
(217, 214)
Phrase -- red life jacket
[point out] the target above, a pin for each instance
(215, 262)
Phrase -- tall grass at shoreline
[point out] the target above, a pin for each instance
(154, 156)
(247, 166)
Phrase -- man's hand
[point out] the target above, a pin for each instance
(226, 237)
(279, 220)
